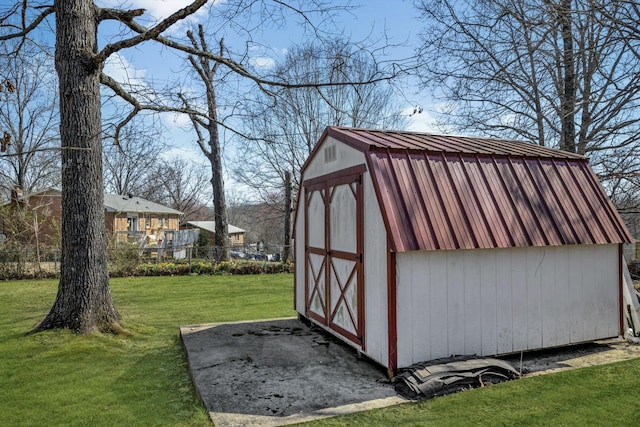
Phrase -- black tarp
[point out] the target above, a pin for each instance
(444, 376)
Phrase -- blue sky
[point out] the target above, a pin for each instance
(151, 63)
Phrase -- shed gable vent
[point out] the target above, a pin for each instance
(329, 153)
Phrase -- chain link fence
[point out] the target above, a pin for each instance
(45, 263)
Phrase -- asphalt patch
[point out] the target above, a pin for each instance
(279, 372)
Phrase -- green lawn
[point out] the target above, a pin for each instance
(58, 378)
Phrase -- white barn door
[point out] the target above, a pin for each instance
(334, 288)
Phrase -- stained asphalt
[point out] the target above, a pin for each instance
(279, 372)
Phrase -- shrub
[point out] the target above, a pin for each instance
(127, 262)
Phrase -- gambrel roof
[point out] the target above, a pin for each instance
(440, 192)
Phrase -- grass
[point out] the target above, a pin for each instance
(606, 395)
(58, 378)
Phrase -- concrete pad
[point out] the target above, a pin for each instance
(279, 372)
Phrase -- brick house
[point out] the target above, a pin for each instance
(127, 217)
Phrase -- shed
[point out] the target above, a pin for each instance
(411, 246)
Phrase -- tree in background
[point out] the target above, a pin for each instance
(129, 164)
(206, 127)
(284, 127)
(29, 119)
(560, 73)
(179, 184)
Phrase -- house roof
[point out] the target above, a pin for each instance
(114, 202)
(211, 226)
(121, 203)
(451, 192)
(49, 191)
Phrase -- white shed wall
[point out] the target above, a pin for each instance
(496, 301)
(375, 278)
(345, 157)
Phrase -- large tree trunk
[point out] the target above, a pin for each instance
(84, 301)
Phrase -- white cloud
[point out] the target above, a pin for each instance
(189, 154)
(263, 62)
(180, 120)
(121, 70)
(157, 10)
(420, 122)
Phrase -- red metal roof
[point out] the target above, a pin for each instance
(401, 140)
(446, 192)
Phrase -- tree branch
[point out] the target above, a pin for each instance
(123, 16)
(26, 29)
(146, 34)
(137, 106)
(262, 83)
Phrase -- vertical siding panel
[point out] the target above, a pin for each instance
(404, 303)
(563, 289)
(534, 297)
(455, 303)
(608, 271)
(438, 308)
(519, 299)
(375, 273)
(473, 307)
(504, 298)
(488, 302)
(550, 298)
(591, 263)
(420, 349)
(576, 289)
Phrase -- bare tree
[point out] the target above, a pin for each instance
(284, 127)
(129, 165)
(179, 184)
(83, 302)
(29, 117)
(556, 73)
(209, 137)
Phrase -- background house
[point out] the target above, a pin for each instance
(236, 235)
(32, 218)
(412, 247)
(127, 218)
(133, 218)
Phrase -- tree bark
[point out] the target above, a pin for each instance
(287, 217)
(568, 103)
(83, 302)
(206, 70)
(221, 237)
